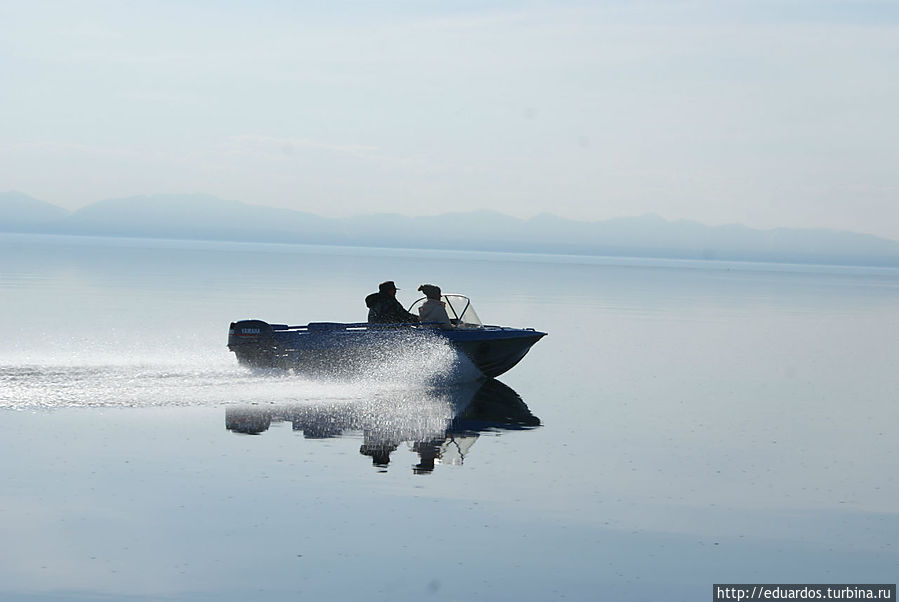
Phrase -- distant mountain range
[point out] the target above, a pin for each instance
(205, 217)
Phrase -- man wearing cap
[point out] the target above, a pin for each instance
(383, 308)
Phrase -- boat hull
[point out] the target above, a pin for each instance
(349, 348)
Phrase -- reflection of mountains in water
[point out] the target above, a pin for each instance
(441, 423)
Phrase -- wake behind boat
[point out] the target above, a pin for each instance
(337, 346)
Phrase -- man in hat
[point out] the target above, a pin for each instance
(383, 308)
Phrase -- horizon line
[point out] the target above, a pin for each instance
(487, 210)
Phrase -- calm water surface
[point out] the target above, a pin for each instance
(683, 424)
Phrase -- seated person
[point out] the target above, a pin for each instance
(383, 308)
(433, 310)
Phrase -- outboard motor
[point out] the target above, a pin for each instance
(253, 342)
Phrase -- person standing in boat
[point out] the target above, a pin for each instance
(433, 310)
(383, 308)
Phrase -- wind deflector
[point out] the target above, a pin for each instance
(459, 309)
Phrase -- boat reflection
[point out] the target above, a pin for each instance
(440, 424)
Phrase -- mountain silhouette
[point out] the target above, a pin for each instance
(205, 217)
(20, 211)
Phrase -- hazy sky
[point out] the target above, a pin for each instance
(769, 113)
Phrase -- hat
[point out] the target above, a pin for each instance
(387, 286)
(431, 291)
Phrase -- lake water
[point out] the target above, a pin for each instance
(684, 423)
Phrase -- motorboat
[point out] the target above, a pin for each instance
(348, 347)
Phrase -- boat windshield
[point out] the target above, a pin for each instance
(458, 308)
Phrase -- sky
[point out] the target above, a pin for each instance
(767, 113)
